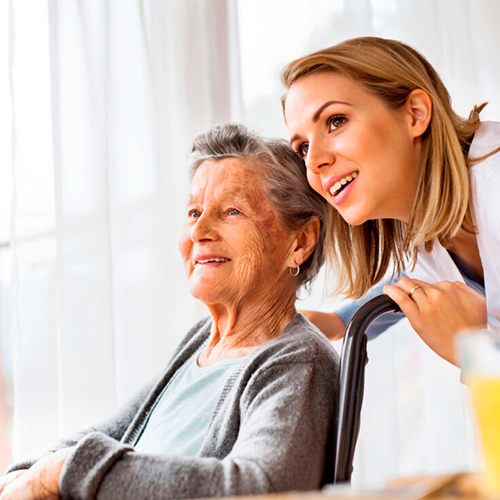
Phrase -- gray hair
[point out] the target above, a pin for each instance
(284, 176)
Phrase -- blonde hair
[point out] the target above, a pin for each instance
(361, 255)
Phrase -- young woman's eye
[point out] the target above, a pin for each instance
(302, 150)
(334, 122)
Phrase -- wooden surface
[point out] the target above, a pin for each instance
(444, 487)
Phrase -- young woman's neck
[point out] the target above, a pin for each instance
(464, 247)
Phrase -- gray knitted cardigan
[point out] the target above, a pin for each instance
(270, 431)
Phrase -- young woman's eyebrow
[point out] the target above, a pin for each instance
(320, 110)
(317, 114)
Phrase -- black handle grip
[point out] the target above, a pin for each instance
(352, 378)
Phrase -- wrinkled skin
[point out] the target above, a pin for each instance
(251, 297)
(40, 482)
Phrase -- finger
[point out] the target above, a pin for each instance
(408, 306)
(14, 492)
(423, 284)
(24, 489)
(9, 478)
(405, 282)
(408, 284)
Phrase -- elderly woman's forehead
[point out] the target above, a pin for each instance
(231, 165)
(229, 174)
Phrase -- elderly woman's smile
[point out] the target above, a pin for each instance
(246, 403)
(234, 245)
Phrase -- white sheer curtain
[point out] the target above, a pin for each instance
(106, 99)
(106, 96)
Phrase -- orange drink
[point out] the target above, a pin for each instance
(480, 356)
(485, 392)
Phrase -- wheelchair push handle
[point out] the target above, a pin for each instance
(352, 376)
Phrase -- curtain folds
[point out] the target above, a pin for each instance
(102, 295)
(106, 98)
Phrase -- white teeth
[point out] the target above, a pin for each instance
(335, 188)
(342, 182)
(211, 260)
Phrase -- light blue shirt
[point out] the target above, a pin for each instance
(180, 418)
(382, 323)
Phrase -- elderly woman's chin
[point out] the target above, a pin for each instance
(209, 287)
(207, 281)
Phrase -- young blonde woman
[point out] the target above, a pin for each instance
(410, 183)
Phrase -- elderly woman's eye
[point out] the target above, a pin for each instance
(233, 211)
(334, 122)
(194, 213)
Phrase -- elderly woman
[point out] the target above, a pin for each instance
(246, 402)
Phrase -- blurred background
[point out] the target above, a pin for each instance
(99, 101)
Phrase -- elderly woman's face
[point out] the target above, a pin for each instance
(233, 243)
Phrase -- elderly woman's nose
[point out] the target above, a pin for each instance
(318, 157)
(204, 229)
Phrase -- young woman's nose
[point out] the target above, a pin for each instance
(204, 229)
(318, 157)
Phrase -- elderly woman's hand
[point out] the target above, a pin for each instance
(9, 478)
(40, 482)
(437, 312)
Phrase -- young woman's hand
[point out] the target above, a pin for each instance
(330, 324)
(437, 312)
(39, 482)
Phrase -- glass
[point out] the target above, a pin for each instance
(480, 355)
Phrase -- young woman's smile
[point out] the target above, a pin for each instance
(361, 156)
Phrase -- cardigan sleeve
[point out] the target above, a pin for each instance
(285, 416)
(114, 427)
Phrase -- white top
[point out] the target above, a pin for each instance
(422, 423)
(485, 190)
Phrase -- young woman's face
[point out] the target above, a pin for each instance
(360, 155)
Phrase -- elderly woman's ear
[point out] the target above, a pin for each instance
(304, 242)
